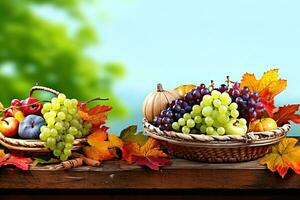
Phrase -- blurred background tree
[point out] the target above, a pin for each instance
(34, 50)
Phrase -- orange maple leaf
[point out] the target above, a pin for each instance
(150, 149)
(101, 150)
(268, 86)
(97, 135)
(287, 113)
(284, 155)
(96, 115)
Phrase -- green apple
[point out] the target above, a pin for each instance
(236, 127)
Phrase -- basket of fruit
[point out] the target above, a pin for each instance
(232, 123)
(42, 127)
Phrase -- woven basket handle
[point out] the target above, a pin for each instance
(42, 88)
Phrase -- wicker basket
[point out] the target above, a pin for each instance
(32, 145)
(218, 149)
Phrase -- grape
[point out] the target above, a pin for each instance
(190, 123)
(223, 88)
(249, 105)
(217, 103)
(186, 130)
(181, 122)
(234, 113)
(233, 106)
(186, 116)
(215, 94)
(222, 109)
(207, 110)
(203, 128)
(197, 109)
(209, 121)
(175, 126)
(221, 130)
(63, 124)
(210, 130)
(198, 119)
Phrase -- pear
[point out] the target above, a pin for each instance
(235, 127)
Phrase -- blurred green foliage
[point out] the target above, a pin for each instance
(34, 50)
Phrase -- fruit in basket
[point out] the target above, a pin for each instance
(29, 128)
(184, 89)
(236, 127)
(63, 125)
(30, 105)
(13, 112)
(213, 114)
(179, 107)
(265, 124)
(9, 126)
(157, 101)
(250, 106)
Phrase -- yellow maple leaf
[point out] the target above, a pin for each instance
(268, 86)
(284, 155)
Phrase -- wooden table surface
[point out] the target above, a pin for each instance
(182, 174)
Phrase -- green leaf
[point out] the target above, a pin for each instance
(42, 161)
(130, 135)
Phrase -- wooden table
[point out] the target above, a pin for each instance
(183, 176)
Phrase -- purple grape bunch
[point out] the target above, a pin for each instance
(179, 107)
(249, 104)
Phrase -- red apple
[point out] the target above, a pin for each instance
(9, 126)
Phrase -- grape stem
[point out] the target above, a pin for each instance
(212, 85)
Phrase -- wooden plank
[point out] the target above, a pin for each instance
(182, 174)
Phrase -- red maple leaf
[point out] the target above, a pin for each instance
(16, 159)
(287, 113)
(152, 162)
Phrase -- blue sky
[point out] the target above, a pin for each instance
(194, 41)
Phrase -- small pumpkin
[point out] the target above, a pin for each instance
(157, 101)
(265, 124)
(184, 89)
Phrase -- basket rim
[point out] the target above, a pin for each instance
(33, 145)
(250, 140)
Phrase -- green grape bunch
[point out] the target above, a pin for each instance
(63, 126)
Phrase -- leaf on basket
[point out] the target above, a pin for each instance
(130, 135)
(43, 161)
(286, 114)
(149, 154)
(97, 115)
(284, 155)
(268, 86)
(16, 159)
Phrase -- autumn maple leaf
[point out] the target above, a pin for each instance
(287, 113)
(149, 154)
(16, 159)
(268, 86)
(100, 148)
(2, 153)
(96, 115)
(284, 155)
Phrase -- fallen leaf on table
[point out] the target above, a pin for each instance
(268, 86)
(100, 149)
(149, 154)
(16, 159)
(96, 115)
(130, 134)
(152, 162)
(284, 155)
(286, 114)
